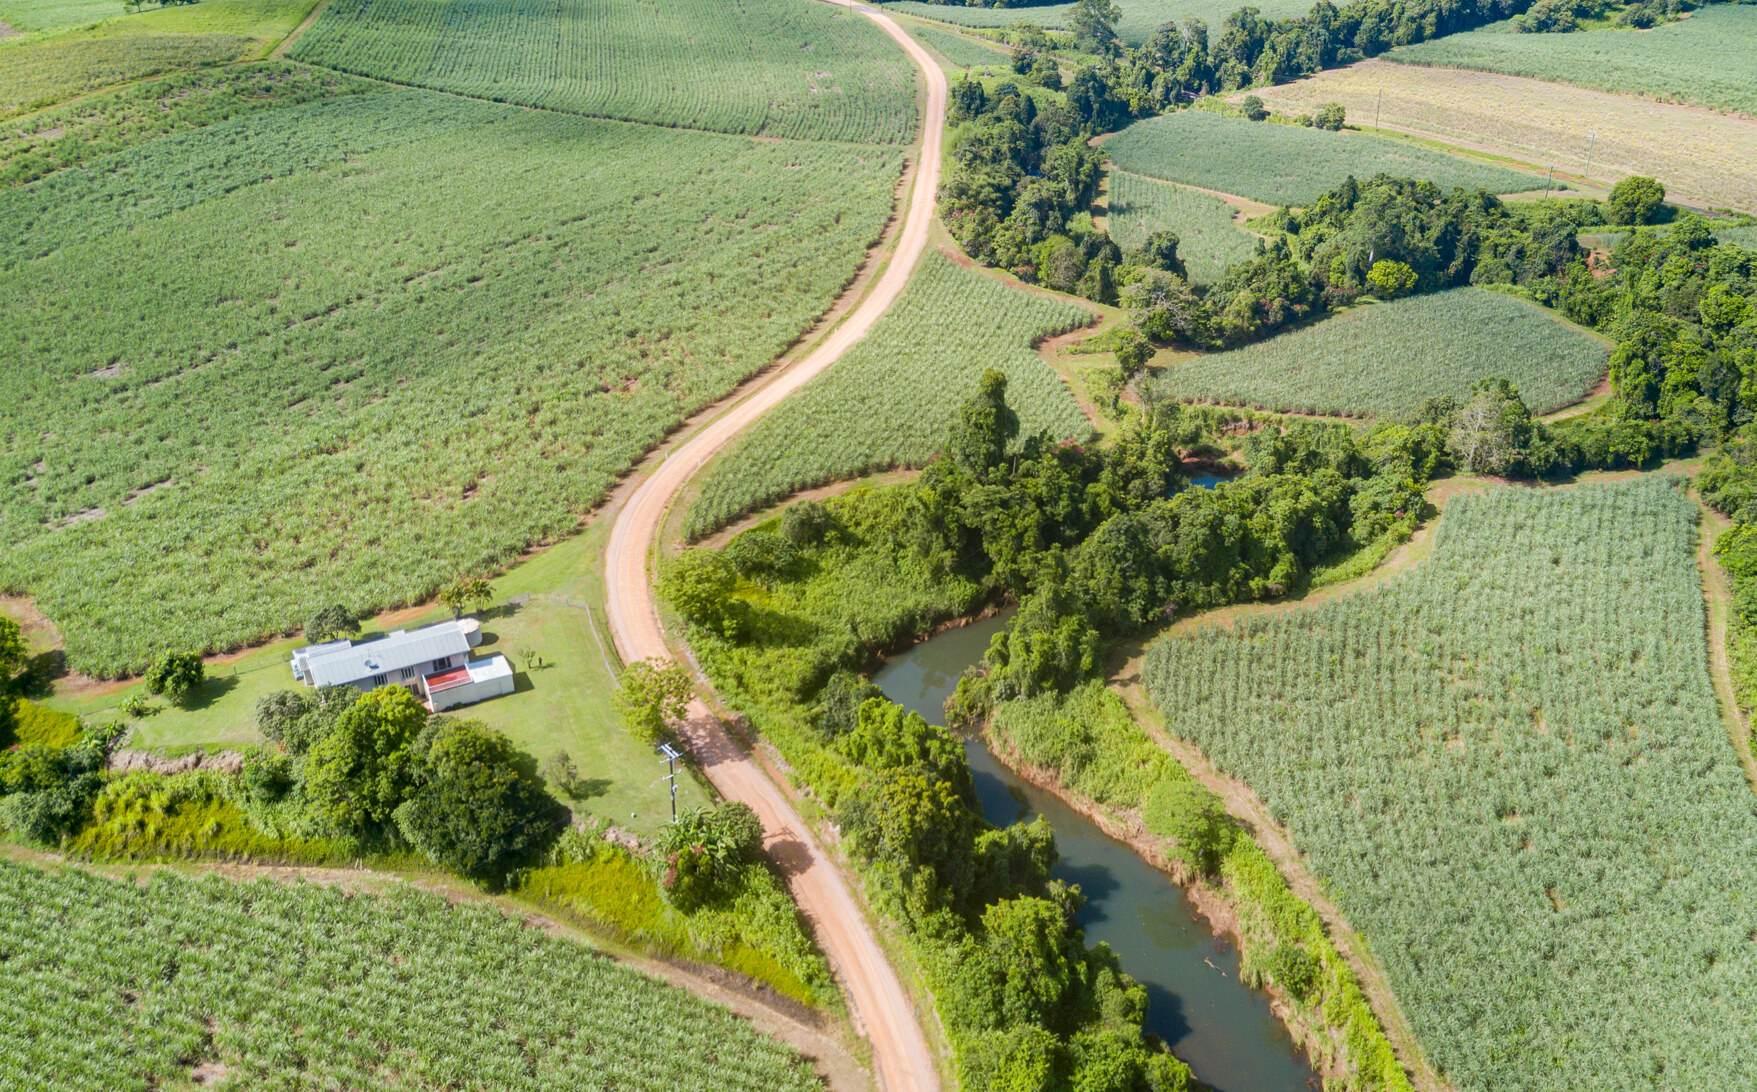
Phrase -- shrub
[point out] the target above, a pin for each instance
(1330, 116)
(761, 555)
(176, 675)
(138, 705)
(1635, 200)
(1254, 108)
(839, 702)
(278, 715)
(806, 523)
(651, 696)
(1388, 279)
(1294, 969)
(1182, 810)
(331, 622)
(699, 583)
(704, 853)
(267, 776)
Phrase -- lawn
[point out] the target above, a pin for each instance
(1385, 360)
(1139, 17)
(1508, 767)
(1209, 238)
(890, 401)
(1704, 59)
(40, 70)
(770, 67)
(177, 982)
(347, 348)
(1288, 164)
(1703, 158)
(544, 606)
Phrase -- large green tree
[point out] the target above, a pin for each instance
(357, 774)
(476, 806)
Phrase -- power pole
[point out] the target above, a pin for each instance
(1549, 183)
(671, 755)
(1591, 139)
(1379, 106)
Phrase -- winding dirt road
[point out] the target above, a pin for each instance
(881, 1007)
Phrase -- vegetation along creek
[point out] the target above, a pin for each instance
(1197, 1004)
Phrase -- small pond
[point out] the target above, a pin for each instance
(1196, 1002)
(1209, 475)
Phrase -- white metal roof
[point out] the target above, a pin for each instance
(494, 667)
(344, 666)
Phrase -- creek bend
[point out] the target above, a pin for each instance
(1196, 1003)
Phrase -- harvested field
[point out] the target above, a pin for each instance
(1703, 157)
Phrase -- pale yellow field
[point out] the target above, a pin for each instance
(1704, 158)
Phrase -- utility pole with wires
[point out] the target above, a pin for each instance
(671, 755)
(1550, 182)
(1379, 106)
(1591, 139)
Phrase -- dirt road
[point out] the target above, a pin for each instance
(882, 1009)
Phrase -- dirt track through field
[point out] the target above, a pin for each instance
(883, 1010)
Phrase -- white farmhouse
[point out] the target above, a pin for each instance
(433, 661)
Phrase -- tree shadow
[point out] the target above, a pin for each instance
(584, 788)
(37, 680)
(789, 854)
(211, 690)
(504, 610)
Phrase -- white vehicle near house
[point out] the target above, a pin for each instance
(433, 661)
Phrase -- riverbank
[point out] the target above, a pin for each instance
(1087, 751)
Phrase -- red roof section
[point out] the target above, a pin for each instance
(445, 680)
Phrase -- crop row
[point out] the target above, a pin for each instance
(71, 57)
(1509, 766)
(1209, 241)
(890, 401)
(1288, 164)
(113, 985)
(762, 67)
(343, 351)
(1385, 360)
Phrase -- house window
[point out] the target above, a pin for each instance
(442, 663)
(406, 674)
